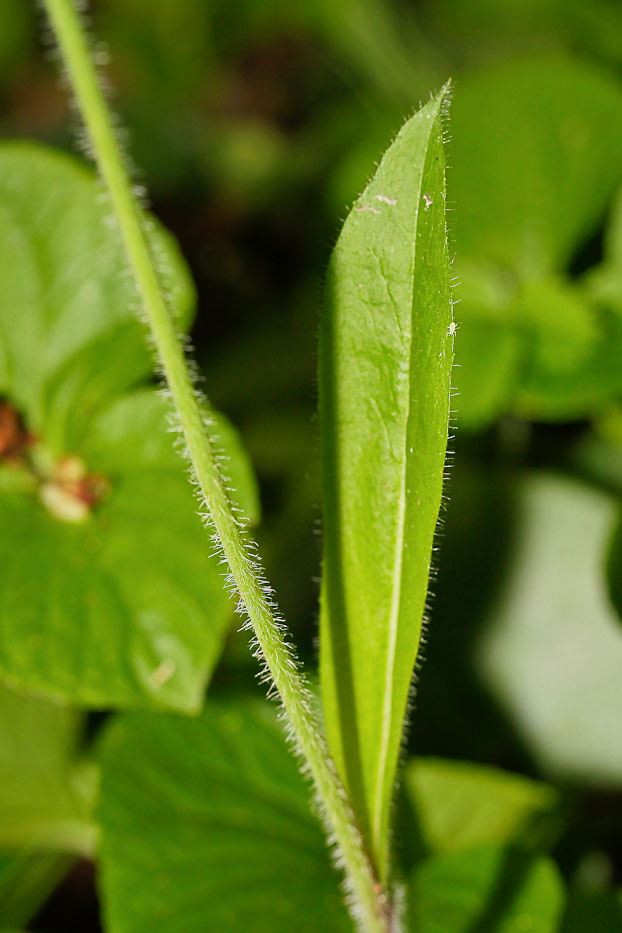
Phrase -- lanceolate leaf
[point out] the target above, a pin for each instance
(385, 360)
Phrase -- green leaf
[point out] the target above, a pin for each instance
(386, 351)
(546, 349)
(126, 608)
(26, 881)
(206, 824)
(605, 281)
(485, 890)
(46, 792)
(552, 651)
(531, 342)
(571, 351)
(460, 805)
(70, 339)
(564, 156)
(489, 349)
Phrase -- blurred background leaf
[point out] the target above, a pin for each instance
(553, 649)
(256, 124)
(46, 791)
(110, 597)
(460, 805)
(485, 890)
(208, 820)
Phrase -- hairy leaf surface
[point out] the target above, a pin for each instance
(385, 359)
(206, 826)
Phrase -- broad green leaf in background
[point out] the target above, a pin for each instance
(46, 791)
(124, 607)
(546, 350)
(605, 281)
(552, 650)
(487, 28)
(490, 351)
(571, 352)
(535, 154)
(532, 341)
(487, 889)
(459, 805)
(70, 337)
(386, 351)
(206, 826)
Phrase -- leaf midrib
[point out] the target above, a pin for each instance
(399, 557)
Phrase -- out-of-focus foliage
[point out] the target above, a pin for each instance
(459, 805)
(532, 178)
(256, 124)
(493, 889)
(595, 911)
(46, 791)
(553, 650)
(208, 820)
(105, 602)
(26, 880)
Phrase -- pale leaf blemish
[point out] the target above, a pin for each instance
(386, 200)
(162, 673)
(428, 202)
(374, 210)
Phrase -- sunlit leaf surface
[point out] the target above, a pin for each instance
(386, 351)
(110, 596)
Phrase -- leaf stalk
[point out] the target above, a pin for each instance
(368, 901)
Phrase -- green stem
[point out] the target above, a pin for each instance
(371, 906)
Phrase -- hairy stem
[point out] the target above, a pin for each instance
(370, 905)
